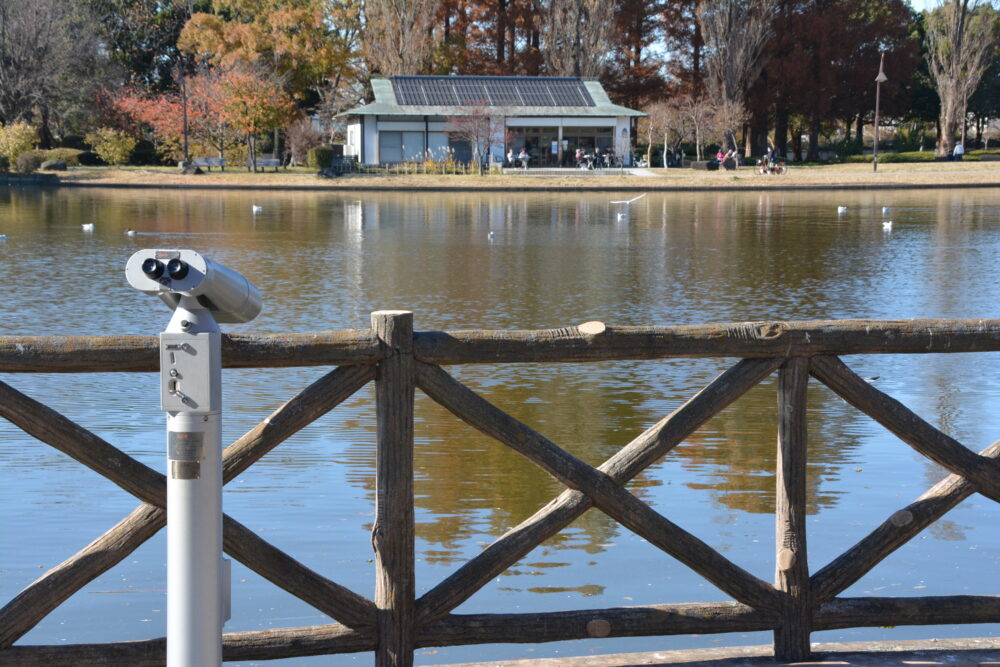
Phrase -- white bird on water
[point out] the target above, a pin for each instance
(885, 209)
(887, 225)
(490, 236)
(841, 209)
(256, 209)
(87, 226)
(129, 232)
(629, 201)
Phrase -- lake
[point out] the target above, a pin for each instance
(325, 261)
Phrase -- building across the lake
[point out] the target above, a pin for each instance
(415, 117)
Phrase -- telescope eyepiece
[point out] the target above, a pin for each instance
(177, 269)
(152, 268)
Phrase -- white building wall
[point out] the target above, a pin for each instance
(353, 144)
(623, 139)
(370, 141)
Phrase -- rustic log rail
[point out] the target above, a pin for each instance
(399, 361)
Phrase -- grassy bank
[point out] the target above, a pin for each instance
(828, 176)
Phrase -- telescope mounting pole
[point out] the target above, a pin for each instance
(198, 588)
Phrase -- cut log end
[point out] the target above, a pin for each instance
(598, 628)
(592, 328)
(786, 559)
(901, 518)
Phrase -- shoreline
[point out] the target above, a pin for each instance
(838, 177)
(529, 188)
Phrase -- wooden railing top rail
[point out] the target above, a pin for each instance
(592, 341)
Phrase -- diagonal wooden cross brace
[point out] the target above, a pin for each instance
(894, 532)
(41, 597)
(982, 472)
(603, 491)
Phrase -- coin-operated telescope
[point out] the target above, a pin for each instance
(201, 293)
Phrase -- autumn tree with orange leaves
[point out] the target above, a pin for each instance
(224, 110)
(253, 104)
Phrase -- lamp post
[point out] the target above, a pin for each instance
(879, 80)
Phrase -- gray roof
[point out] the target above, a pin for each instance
(544, 96)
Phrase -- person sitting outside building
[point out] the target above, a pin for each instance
(579, 159)
(510, 157)
(523, 157)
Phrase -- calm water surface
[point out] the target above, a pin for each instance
(326, 261)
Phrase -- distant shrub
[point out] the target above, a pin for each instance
(4, 164)
(16, 138)
(845, 146)
(319, 157)
(29, 162)
(73, 141)
(71, 156)
(301, 137)
(145, 153)
(89, 159)
(113, 146)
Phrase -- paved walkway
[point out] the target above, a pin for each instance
(961, 652)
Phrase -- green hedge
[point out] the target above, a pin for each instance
(889, 158)
(319, 157)
(71, 156)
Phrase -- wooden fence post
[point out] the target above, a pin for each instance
(791, 638)
(393, 532)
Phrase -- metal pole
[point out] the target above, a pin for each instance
(878, 90)
(197, 576)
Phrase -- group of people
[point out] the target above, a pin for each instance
(521, 159)
(598, 159)
(770, 163)
(733, 155)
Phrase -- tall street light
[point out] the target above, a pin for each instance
(879, 80)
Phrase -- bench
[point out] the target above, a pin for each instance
(209, 162)
(705, 165)
(266, 163)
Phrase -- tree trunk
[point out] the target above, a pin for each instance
(781, 131)
(758, 135)
(501, 36)
(813, 155)
(948, 124)
(860, 131)
(44, 133)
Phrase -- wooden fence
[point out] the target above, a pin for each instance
(400, 360)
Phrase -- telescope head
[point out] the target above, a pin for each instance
(173, 274)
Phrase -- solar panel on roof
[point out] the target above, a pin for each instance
(490, 91)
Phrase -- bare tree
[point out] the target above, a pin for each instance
(397, 35)
(669, 122)
(736, 34)
(50, 63)
(483, 128)
(699, 113)
(576, 36)
(961, 36)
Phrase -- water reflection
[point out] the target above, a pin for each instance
(504, 261)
